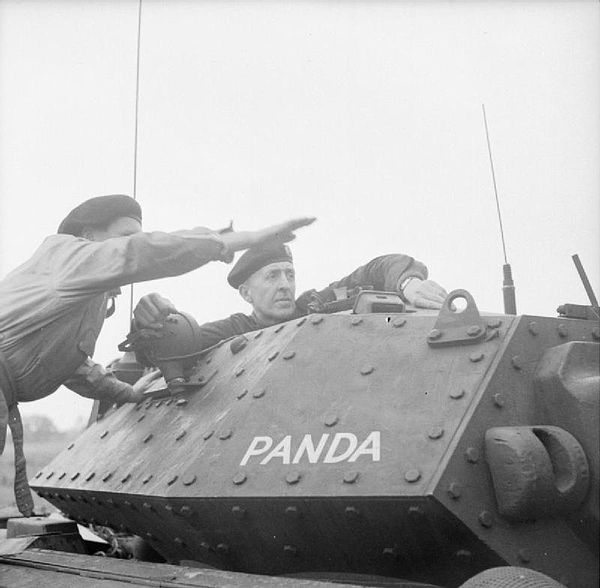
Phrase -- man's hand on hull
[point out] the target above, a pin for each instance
(152, 310)
(425, 294)
(144, 384)
(282, 232)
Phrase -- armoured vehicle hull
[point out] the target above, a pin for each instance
(411, 445)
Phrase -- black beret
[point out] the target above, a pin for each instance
(99, 211)
(253, 259)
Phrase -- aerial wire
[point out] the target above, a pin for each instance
(135, 134)
(508, 287)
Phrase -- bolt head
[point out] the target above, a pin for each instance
(454, 490)
(456, 394)
(435, 433)
(499, 400)
(476, 356)
(516, 362)
(524, 555)
(400, 322)
(434, 334)
(563, 331)
(350, 477)
(412, 475)
(532, 327)
(356, 321)
(367, 369)
(485, 519)
(293, 478)
(472, 455)
(474, 330)
(239, 478)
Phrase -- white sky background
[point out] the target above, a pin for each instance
(364, 114)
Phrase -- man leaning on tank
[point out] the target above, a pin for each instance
(265, 278)
(52, 307)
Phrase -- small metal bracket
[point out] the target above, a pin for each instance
(455, 327)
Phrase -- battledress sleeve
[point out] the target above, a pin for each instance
(382, 273)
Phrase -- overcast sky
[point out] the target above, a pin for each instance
(365, 114)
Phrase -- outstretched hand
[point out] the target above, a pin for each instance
(425, 294)
(144, 384)
(282, 232)
(152, 310)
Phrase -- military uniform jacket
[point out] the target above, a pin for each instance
(53, 306)
(382, 273)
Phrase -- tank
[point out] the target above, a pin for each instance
(374, 442)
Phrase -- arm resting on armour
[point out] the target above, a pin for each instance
(91, 380)
(382, 273)
(82, 267)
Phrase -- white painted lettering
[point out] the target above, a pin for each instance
(370, 446)
(352, 443)
(306, 446)
(282, 449)
(254, 448)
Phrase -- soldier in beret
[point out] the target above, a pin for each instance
(265, 278)
(53, 306)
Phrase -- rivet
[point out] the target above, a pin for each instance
(75, 476)
(485, 519)
(473, 330)
(238, 512)
(494, 323)
(141, 418)
(169, 508)
(147, 479)
(185, 511)
(172, 480)
(532, 327)
(223, 548)
(71, 446)
(290, 549)
(158, 403)
(399, 323)
(562, 330)
(316, 320)
(366, 370)
(293, 478)
(435, 432)
(499, 400)
(477, 356)
(456, 394)
(181, 435)
(258, 335)
(472, 455)
(189, 480)
(289, 355)
(350, 477)
(259, 393)
(239, 478)
(331, 420)
(238, 344)
(149, 536)
(454, 490)
(301, 322)
(104, 435)
(292, 512)
(463, 555)
(201, 379)
(62, 475)
(241, 394)
(356, 321)
(107, 476)
(240, 372)
(273, 355)
(38, 475)
(126, 479)
(178, 540)
(516, 362)
(280, 328)
(434, 334)
(225, 434)
(524, 555)
(205, 546)
(412, 475)
(181, 402)
(596, 333)
(207, 435)
(147, 506)
(49, 475)
(168, 402)
(352, 512)
(148, 437)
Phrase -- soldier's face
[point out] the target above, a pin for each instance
(272, 292)
(120, 227)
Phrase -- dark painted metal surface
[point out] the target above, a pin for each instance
(347, 443)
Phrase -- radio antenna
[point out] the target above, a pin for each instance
(135, 132)
(508, 286)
